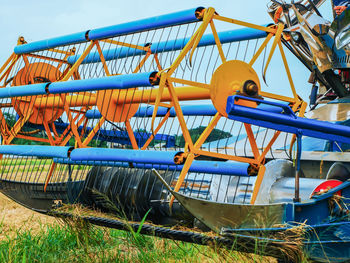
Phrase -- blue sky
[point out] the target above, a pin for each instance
(40, 19)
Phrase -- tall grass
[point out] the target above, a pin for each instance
(81, 242)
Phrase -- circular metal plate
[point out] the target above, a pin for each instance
(227, 80)
(111, 105)
(37, 73)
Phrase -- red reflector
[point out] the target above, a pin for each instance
(326, 186)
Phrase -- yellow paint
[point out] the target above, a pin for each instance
(228, 80)
(245, 24)
(257, 185)
(182, 176)
(207, 131)
(277, 39)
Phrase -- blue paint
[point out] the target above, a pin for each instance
(178, 18)
(287, 122)
(26, 90)
(75, 38)
(114, 82)
(341, 100)
(172, 19)
(165, 158)
(35, 150)
(147, 111)
(172, 45)
(207, 167)
(123, 155)
(187, 110)
(93, 114)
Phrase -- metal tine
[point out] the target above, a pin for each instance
(201, 71)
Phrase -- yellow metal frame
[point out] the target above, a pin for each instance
(193, 149)
(166, 92)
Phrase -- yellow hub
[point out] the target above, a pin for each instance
(231, 78)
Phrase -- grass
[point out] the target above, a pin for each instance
(81, 242)
(18, 161)
(71, 240)
(26, 236)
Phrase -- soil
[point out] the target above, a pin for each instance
(14, 217)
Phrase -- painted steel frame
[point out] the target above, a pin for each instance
(166, 90)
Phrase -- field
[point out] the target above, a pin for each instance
(26, 236)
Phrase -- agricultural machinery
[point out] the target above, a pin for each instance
(172, 119)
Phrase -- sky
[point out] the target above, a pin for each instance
(41, 19)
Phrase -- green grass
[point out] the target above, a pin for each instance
(14, 161)
(79, 242)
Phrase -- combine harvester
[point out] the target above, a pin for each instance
(167, 117)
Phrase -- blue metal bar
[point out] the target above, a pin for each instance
(147, 111)
(123, 155)
(172, 45)
(26, 90)
(207, 167)
(178, 18)
(51, 43)
(154, 158)
(285, 107)
(182, 17)
(120, 137)
(93, 114)
(114, 82)
(187, 110)
(287, 122)
(36, 150)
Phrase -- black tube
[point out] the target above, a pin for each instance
(335, 83)
(283, 251)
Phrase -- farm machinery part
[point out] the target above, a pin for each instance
(167, 117)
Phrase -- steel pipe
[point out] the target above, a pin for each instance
(36, 150)
(208, 167)
(287, 122)
(172, 19)
(171, 45)
(113, 82)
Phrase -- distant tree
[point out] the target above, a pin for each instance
(195, 133)
(11, 120)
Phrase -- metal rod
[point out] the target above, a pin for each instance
(297, 169)
(172, 19)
